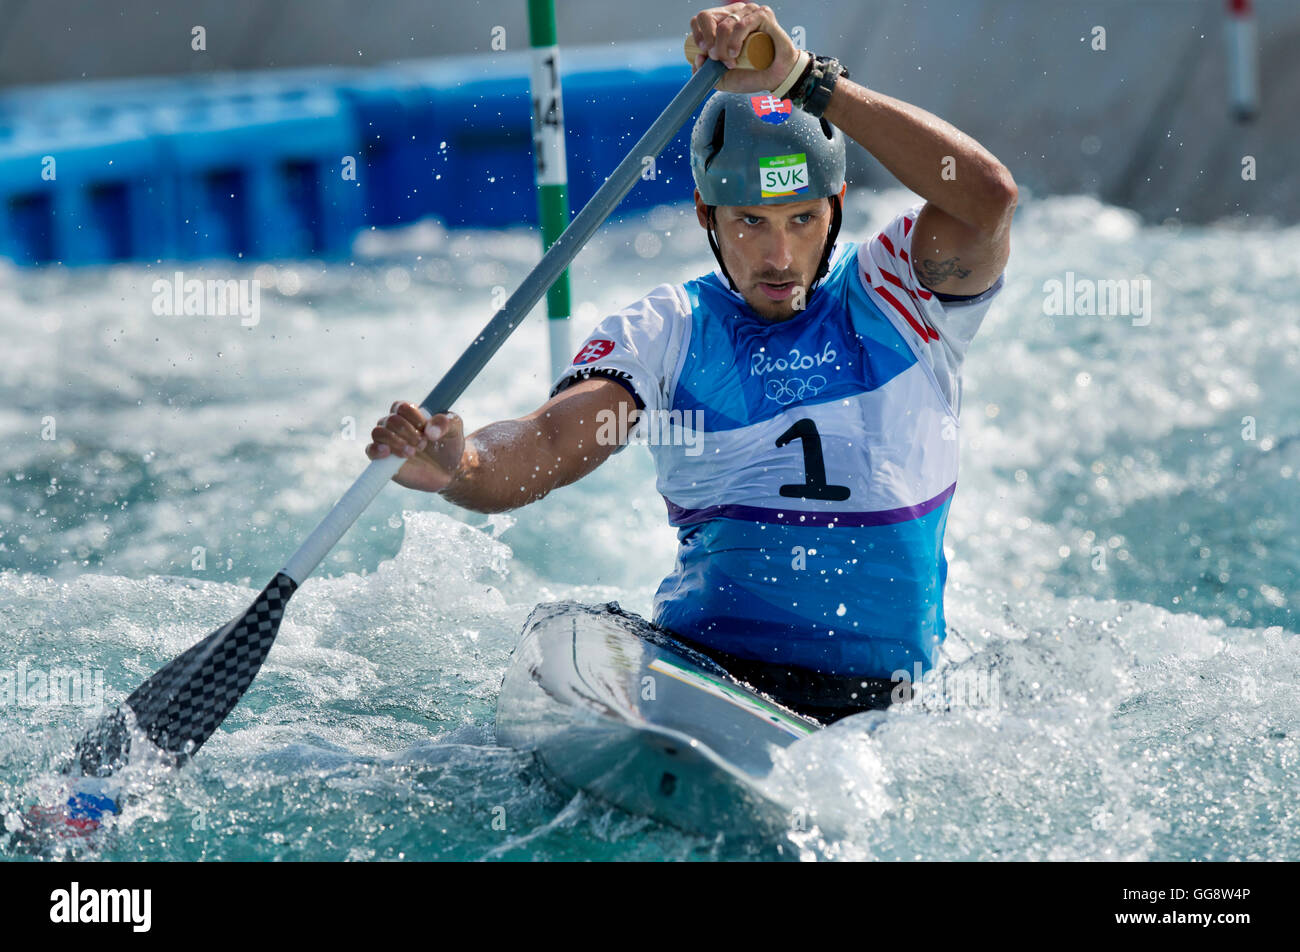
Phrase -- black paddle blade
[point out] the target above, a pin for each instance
(180, 706)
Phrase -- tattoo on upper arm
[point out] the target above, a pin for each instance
(936, 272)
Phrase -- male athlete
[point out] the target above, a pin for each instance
(824, 382)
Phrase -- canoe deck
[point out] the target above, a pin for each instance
(614, 706)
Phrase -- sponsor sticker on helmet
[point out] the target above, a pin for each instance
(781, 175)
(770, 109)
(592, 351)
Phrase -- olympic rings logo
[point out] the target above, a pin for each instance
(788, 391)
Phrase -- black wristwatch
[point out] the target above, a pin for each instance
(812, 93)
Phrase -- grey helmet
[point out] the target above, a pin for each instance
(755, 149)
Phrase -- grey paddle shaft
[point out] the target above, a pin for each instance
(567, 246)
(557, 258)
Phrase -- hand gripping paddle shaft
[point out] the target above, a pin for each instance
(180, 706)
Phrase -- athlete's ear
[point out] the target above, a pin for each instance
(701, 211)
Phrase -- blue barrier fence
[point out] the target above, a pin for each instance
(254, 165)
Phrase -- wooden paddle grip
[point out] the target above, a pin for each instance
(757, 52)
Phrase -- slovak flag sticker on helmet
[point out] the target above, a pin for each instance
(781, 175)
(770, 109)
(593, 350)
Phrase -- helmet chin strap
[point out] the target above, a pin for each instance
(837, 216)
(717, 252)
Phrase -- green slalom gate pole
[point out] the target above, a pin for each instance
(551, 169)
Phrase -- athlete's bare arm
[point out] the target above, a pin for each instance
(507, 464)
(963, 233)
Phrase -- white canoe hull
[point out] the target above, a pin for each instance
(611, 706)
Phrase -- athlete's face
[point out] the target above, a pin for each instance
(771, 251)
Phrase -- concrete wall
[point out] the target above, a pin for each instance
(1144, 124)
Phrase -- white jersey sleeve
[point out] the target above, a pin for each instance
(940, 332)
(637, 347)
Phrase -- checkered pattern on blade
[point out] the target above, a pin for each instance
(181, 705)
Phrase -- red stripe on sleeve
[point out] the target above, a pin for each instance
(893, 279)
(923, 332)
(928, 333)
